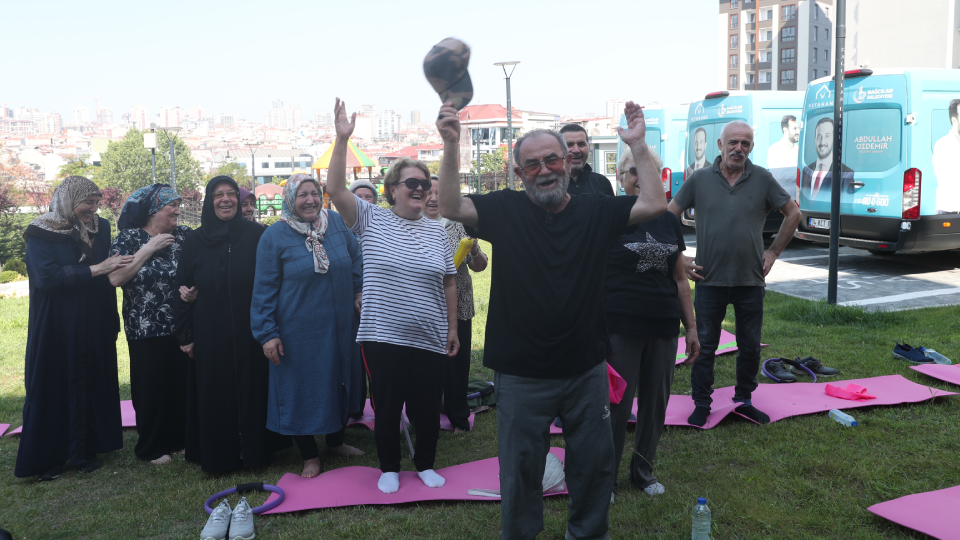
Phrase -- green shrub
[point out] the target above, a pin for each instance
(16, 265)
(9, 275)
(270, 220)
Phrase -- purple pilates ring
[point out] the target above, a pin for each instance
(787, 361)
(475, 395)
(242, 488)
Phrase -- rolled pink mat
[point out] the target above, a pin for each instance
(353, 486)
(933, 513)
(950, 374)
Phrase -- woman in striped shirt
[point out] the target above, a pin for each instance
(408, 318)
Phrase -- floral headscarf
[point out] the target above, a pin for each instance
(144, 203)
(313, 229)
(61, 219)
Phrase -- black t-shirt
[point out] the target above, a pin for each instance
(546, 293)
(590, 182)
(640, 296)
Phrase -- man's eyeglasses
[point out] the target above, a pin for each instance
(229, 194)
(414, 183)
(553, 163)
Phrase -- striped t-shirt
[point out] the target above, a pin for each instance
(404, 262)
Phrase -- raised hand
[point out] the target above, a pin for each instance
(343, 126)
(448, 123)
(636, 125)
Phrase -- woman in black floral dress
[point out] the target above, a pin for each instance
(158, 368)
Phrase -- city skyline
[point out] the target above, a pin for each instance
(384, 69)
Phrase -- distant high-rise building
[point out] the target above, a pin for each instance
(615, 108)
(81, 116)
(196, 113)
(414, 117)
(325, 119)
(779, 45)
(53, 124)
(364, 128)
(105, 116)
(125, 119)
(369, 110)
(277, 104)
(140, 117)
(387, 123)
(226, 120)
(170, 117)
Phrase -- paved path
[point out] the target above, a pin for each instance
(17, 288)
(876, 282)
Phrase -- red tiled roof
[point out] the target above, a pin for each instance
(486, 112)
(269, 190)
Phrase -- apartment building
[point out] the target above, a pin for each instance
(775, 45)
(889, 34)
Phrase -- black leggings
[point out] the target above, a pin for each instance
(158, 386)
(401, 375)
(456, 376)
(308, 443)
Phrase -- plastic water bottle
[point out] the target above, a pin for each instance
(701, 520)
(937, 357)
(843, 418)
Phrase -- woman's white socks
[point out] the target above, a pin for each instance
(390, 482)
(431, 479)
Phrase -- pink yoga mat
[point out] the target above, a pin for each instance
(780, 401)
(351, 486)
(951, 373)
(728, 344)
(367, 420)
(128, 418)
(933, 513)
(3, 427)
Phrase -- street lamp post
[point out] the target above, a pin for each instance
(509, 116)
(253, 173)
(150, 141)
(173, 161)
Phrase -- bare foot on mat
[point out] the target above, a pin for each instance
(311, 468)
(345, 450)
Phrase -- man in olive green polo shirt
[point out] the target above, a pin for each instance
(732, 198)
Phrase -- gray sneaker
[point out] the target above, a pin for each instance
(217, 523)
(241, 522)
(778, 372)
(814, 365)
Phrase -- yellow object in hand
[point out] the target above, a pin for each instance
(465, 246)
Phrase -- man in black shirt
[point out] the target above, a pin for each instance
(582, 178)
(542, 337)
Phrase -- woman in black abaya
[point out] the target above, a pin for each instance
(72, 410)
(227, 377)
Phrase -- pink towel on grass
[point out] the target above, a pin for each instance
(853, 392)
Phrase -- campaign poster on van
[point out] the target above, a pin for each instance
(783, 153)
(817, 175)
(945, 137)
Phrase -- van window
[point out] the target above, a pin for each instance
(871, 139)
(702, 145)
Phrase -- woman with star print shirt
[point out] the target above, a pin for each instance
(646, 297)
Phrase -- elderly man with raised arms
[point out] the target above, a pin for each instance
(542, 337)
(732, 198)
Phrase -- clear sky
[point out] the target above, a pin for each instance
(240, 55)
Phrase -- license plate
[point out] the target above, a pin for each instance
(819, 223)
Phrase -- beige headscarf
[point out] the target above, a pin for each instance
(61, 218)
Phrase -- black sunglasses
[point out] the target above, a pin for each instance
(413, 183)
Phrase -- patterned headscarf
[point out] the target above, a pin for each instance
(144, 203)
(61, 219)
(313, 229)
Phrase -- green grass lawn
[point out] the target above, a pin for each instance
(803, 477)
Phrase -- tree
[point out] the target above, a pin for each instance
(78, 166)
(234, 170)
(111, 203)
(276, 180)
(495, 162)
(126, 163)
(434, 166)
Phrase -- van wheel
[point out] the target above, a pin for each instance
(877, 252)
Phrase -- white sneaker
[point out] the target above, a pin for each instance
(654, 489)
(217, 523)
(241, 521)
